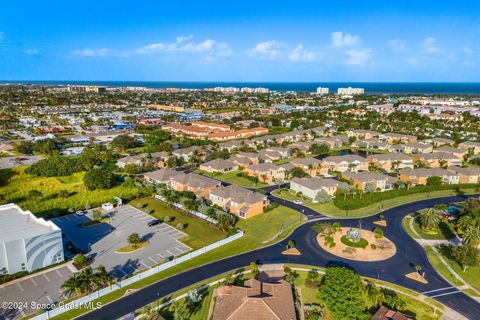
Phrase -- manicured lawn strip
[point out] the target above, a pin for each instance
(257, 229)
(471, 293)
(50, 204)
(331, 210)
(132, 248)
(199, 233)
(470, 276)
(231, 177)
(440, 267)
(406, 227)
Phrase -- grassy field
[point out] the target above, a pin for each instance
(331, 210)
(257, 230)
(199, 233)
(15, 186)
(231, 177)
(470, 276)
(406, 227)
(440, 267)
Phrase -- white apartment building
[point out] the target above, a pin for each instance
(350, 91)
(321, 90)
(27, 243)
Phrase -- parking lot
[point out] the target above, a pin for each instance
(102, 240)
(42, 288)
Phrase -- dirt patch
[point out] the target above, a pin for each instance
(291, 252)
(382, 249)
(416, 276)
(382, 223)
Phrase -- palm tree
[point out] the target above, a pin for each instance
(71, 286)
(471, 236)
(103, 278)
(429, 219)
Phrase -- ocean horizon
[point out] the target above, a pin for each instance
(463, 88)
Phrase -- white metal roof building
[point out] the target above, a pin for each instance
(27, 243)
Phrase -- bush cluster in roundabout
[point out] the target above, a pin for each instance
(362, 243)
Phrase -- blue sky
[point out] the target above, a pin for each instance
(240, 40)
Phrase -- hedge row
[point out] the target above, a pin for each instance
(352, 202)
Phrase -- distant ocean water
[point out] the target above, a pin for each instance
(471, 88)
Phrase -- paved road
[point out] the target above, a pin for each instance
(409, 253)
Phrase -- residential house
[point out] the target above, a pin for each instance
(370, 181)
(198, 184)
(414, 147)
(187, 153)
(386, 314)
(252, 156)
(351, 162)
(438, 142)
(242, 162)
(265, 172)
(396, 138)
(472, 146)
(240, 201)
(362, 134)
(161, 176)
(137, 160)
(420, 175)
(390, 161)
(218, 166)
(284, 152)
(333, 142)
(436, 160)
(310, 165)
(373, 144)
(255, 300)
(268, 156)
(310, 187)
(457, 152)
(467, 175)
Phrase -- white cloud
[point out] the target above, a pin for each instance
(358, 57)
(429, 45)
(87, 52)
(467, 50)
(340, 39)
(299, 54)
(1, 35)
(268, 50)
(185, 44)
(396, 44)
(31, 51)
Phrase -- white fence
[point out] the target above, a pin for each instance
(195, 213)
(97, 294)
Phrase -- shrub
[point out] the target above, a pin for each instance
(362, 243)
(139, 205)
(378, 233)
(373, 246)
(180, 226)
(98, 178)
(167, 219)
(79, 259)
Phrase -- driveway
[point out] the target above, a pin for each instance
(102, 240)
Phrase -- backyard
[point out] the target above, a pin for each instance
(52, 196)
(331, 210)
(231, 177)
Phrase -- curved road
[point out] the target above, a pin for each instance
(409, 253)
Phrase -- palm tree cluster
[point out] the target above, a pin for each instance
(87, 281)
(468, 224)
(429, 219)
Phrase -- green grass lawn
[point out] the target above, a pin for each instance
(15, 185)
(257, 230)
(443, 231)
(199, 233)
(231, 177)
(406, 227)
(470, 276)
(440, 267)
(331, 210)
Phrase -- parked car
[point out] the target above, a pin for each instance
(80, 213)
(152, 223)
(298, 202)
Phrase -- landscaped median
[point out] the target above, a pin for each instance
(256, 230)
(330, 209)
